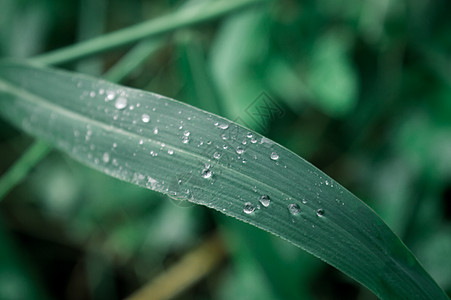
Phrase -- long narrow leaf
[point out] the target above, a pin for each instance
(190, 154)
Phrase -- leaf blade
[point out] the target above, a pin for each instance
(190, 154)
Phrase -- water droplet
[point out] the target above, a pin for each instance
(110, 95)
(145, 118)
(217, 155)
(106, 157)
(114, 145)
(223, 126)
(253, 140)
(186, 133)
(155, 131)
(248, 208)
(265, 200)
(320, 212)
(294, 209)
(92, 94)
(170, 151)
(249, 135)
(304, 201)
(274, 156)
(121, 103)
(239, 150)
(185, 140)
(206, 173)
(141, 142)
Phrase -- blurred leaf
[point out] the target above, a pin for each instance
(238, 48)
(164, 145)
(331, 76)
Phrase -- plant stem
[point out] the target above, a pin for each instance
(173, 21)
(190, 269)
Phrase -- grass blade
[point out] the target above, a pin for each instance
(189, 154)
(179, 19)
(20, 169)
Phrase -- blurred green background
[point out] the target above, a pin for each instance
(362, 89)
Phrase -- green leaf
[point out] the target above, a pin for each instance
(189, 154)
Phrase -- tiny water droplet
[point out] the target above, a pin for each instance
(265, 200)
(294, 209)
(110, 95)
(186, 133)
(106, 157)
(327, 182)
(170, 151)
(248, 208)
(141, 142)
(92, 94)
(320, 212)
(217, 155)
(253, 140)
(185, 140)
(206, 173)
(121, 103)
(249, 135)
(239, 150)
(145, 118)
(274, 156)
(155, 131)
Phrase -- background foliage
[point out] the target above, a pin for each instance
(359, 88)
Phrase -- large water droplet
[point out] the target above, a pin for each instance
(320, 212)
(223, 126)
(265, 200)
(294, 209)
(121, 103)
(145, 118)
(248, 208)
(274, 156)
